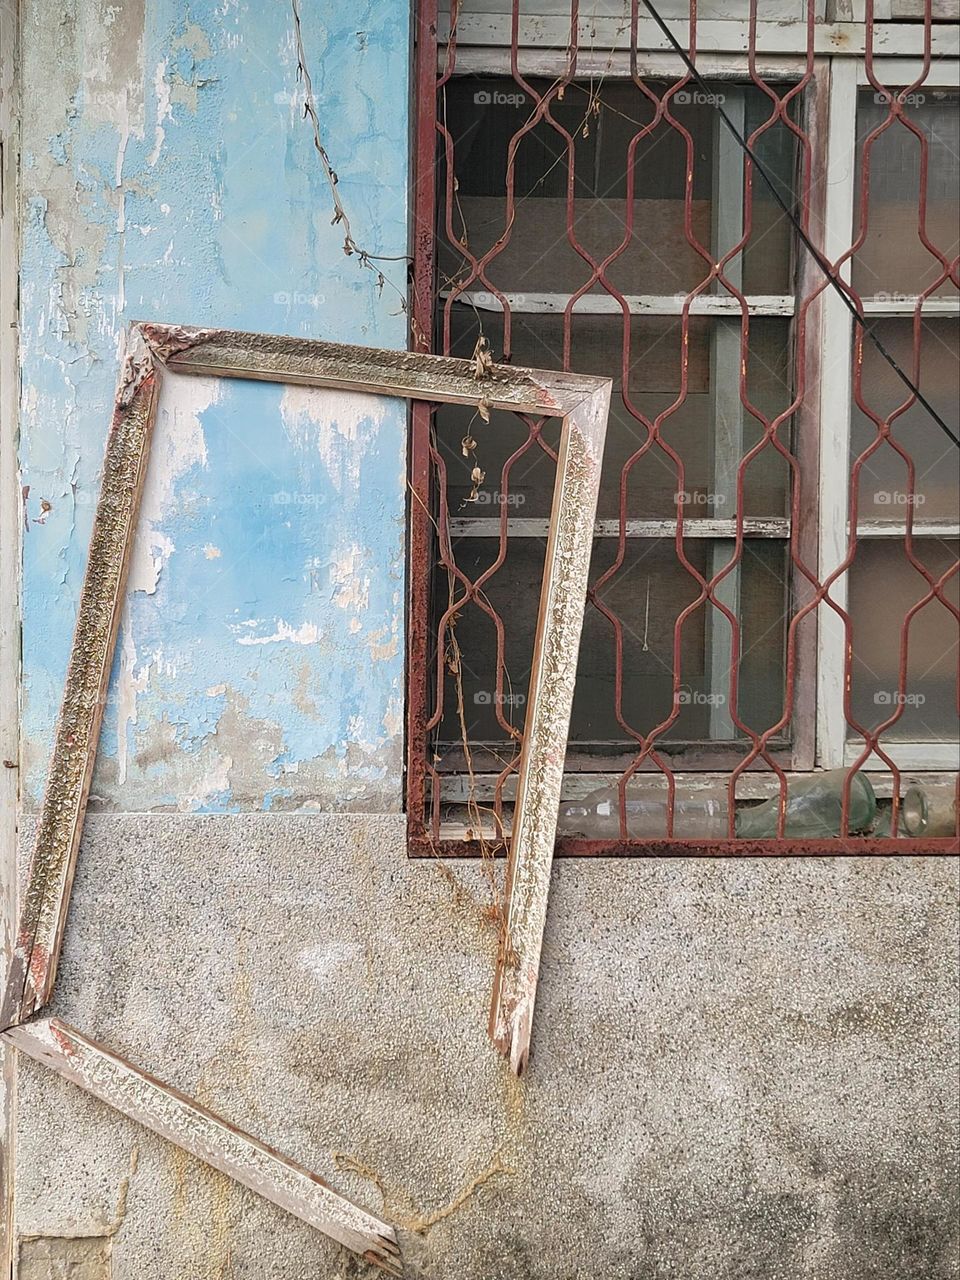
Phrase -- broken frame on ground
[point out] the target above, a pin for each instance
(582, 404)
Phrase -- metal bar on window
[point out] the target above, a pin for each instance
(560, 233)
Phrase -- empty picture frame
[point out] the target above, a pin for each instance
(582, 404)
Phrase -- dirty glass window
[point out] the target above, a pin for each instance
(593, 223)
(906, 218)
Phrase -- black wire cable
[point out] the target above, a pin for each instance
(818, 257)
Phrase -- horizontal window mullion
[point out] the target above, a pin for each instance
(731, 39)
(775, 527)
(753, 784)
(898, 529)
(605, 304)
(905, 755)
(898, 73)
(616, 64)
(899, 305)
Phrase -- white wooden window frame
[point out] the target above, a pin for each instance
(725, 340)
(883, 10)
(483, 48)
(835, 746)
(11, 527)
(484, 41)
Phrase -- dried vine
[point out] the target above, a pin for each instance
(350, 246)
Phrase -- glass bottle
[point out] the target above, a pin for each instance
(814, 808)
(930, 813)
(597, 815)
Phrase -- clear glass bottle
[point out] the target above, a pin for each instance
(597, 815)
(930, 813)
(814, 808)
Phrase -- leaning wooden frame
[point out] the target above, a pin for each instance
(582, 403)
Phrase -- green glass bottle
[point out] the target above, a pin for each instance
(814, 808)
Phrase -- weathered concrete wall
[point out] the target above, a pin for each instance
(168, 174)
(739, 1070)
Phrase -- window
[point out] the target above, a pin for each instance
(594, 213)
(896, 206)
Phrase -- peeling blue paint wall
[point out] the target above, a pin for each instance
(168, 174)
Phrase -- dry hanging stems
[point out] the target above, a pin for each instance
(350, 246)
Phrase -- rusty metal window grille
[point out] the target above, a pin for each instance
(774, 573)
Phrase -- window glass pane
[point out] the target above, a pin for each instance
(654, 386)
(584, 148)
(884, 586)
(893, 259)
(884, 484)
(648, 595)
(767, 256)
(524, 487)
(548, 200)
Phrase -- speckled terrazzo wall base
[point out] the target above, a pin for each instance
(738, 1069)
